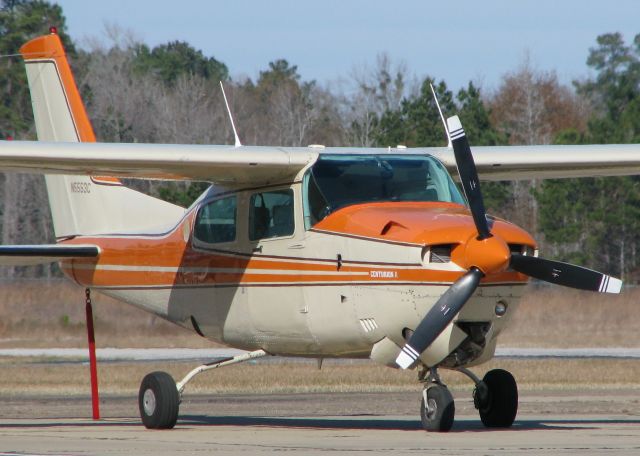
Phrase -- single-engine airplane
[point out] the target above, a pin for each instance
(309, 251)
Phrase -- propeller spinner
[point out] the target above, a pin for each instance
(487, 254)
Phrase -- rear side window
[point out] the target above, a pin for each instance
(271, 214)
(216, 221)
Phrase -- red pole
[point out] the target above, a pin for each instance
(95, 399)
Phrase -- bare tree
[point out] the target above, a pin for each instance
(191, 112)
(291, 114)
(280, 110)
(371, 92)
(26, 219)
(122, 104)
(531, 107)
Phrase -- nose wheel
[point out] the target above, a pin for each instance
(437, 409)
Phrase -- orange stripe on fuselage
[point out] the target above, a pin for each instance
(126, 278)
(162, 261)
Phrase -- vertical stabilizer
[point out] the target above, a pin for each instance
(81, 205)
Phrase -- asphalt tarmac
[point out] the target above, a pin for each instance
(175, 354)
(549, 422)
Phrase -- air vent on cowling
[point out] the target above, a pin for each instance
(521, 249)
(368, 324)
(516, 248)
(440, 253)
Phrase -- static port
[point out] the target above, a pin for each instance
(501, 308)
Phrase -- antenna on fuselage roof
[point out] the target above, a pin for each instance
(446, 129)
(233, 125)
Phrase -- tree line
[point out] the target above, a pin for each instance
(170, 94)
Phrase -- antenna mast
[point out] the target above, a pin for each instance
(233, 125)
(446, 129)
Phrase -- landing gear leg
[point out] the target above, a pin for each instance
(160, 396)
(437, 409)
(495, 397)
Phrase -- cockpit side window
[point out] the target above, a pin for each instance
(216, 221)
(271, 214)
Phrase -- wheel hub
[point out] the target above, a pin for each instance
(432, 408)
(149, 402)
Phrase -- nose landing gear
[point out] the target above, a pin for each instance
(437, 408)
(495, 397)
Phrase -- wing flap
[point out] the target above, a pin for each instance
(29, 255)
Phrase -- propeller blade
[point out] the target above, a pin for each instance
(468, 176)
(565, 274)
(439, 316)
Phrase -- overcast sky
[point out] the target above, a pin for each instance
(456, 41)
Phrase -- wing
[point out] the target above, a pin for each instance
(244, 165)
(254, 166)
(549, 162)
(28, 255)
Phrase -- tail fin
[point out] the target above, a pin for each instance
(81, 205)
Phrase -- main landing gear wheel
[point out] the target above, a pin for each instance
(496, 398)
(438, 412)
(158, 401)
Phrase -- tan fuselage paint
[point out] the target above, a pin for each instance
(332, 291)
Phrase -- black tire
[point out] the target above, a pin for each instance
(158, 401)
(442, 410)
(501, 405)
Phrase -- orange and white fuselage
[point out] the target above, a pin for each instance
(334, 290)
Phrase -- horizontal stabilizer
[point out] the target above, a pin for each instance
(28, 255)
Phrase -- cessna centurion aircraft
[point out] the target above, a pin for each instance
(310, 251)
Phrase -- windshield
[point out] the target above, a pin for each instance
(336, 181)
